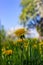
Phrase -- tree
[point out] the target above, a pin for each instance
(40, 9)
(41, 27)
(28, 10)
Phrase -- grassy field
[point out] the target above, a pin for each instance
(21, 52)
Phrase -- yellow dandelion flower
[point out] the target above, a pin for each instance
(20, 32)
(3, 49)
(8, 52)
(3, 52)
(40, 51)
(14, 43)
(34, 45)
(19, 40)
(41, 43)
(25, 45)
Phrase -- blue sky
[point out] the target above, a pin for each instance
(9, 13)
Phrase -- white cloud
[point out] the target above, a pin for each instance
(32, 33)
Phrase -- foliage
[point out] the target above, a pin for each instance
(18, 52)
(2, 38)
(28, 10)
